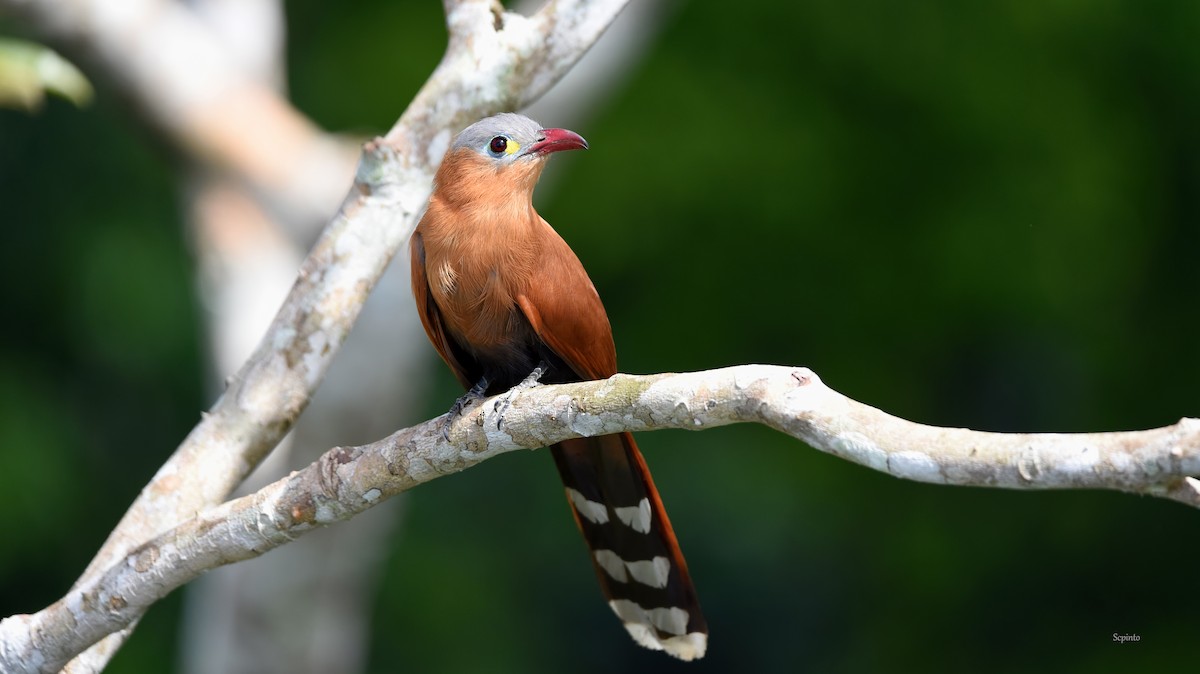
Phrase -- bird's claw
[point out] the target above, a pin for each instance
(503, 403)
(461, 404)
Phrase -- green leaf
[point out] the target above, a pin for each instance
(28, 71)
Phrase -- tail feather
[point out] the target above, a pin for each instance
(637, 559)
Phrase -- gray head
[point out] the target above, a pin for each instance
(509, 137)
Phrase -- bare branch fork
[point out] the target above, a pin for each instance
(495, 60)
(347, 480)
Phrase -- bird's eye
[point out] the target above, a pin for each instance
(498, 145)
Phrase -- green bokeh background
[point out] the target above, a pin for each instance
(981, 214)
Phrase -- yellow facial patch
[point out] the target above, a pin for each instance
(512, 147)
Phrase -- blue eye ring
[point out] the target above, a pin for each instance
(498, 145)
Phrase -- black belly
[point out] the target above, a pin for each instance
(507, 364)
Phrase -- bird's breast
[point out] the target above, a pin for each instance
(477, 262)
(478, 301)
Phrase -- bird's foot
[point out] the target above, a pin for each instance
(461, 404)
(529, 382)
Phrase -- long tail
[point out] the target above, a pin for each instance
(637, 559)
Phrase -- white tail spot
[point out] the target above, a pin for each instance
(687, 646)
(613, 565)
(672, 620)
(651, 572)
(641, 625)
(594, 512)
(636, 517)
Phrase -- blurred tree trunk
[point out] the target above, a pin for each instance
(305, 609)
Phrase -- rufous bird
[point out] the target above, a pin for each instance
(505, 301)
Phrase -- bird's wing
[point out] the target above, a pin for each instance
(565, 312)
(431, 317)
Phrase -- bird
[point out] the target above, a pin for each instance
(506, 303)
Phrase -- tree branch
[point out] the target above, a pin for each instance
(243, 617)
(345, 481)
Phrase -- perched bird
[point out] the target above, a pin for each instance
(502, 297)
